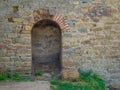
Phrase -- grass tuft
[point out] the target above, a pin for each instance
(14, 77)
(38, 72)
(86, 81)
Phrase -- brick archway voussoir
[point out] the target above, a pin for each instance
(44, 14)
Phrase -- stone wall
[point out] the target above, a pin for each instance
(92, 41)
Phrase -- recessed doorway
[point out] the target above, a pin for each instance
(46, 46)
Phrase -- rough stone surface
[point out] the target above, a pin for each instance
(69, 74)
(92, 40)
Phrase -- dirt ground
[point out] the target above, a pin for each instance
(35, 85)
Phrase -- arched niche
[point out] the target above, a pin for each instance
(46, 46)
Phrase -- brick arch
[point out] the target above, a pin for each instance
(46, 43)
(44, 14)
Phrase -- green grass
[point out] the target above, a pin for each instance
(86, 81)
(2, 77)
(14, 77)
(38, 72)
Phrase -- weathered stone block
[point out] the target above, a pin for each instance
(15, 8)
(70, 63)
(69, 74)
(27, 27)
(10, 19)
(19, 20)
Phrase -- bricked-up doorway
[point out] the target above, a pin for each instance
(46, 46)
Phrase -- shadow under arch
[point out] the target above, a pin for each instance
(46, 39)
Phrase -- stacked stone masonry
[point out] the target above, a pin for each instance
(90, 39)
